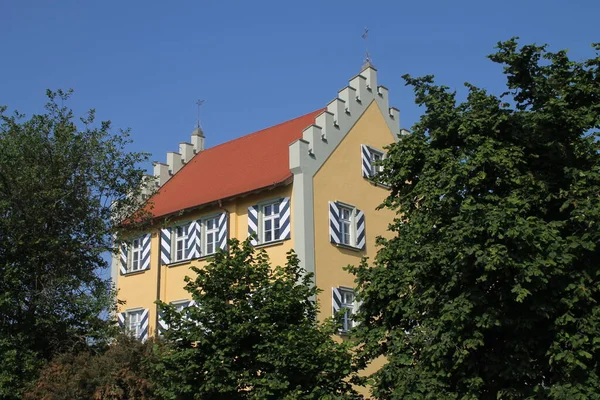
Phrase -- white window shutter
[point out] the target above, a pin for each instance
(145, 259)
(192, 244)
(222, 237)
(334, 223)
(121, 319)
(165, 245)
(123, 254)
(284, 219)
(360, 229)
(253, 224)
(336, 300)
(143, 334)
(366, 161)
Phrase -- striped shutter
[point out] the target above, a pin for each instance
(146, 252)
(366, 161)
(143, 335)
(334, 223)
(336, 300)
(162, 325)
(253, 224)
(121, 319)
(222, 236)
(360, 229)
(165, 245)
(192, 244)
(123, 253)
(284, 219)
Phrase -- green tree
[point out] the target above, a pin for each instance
(114, 372)
(490, 287)
(59, 186)
(253, 335)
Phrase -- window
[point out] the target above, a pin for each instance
(270, 222)
(136, 255)
(346, 225)
(344, 306)
(376, 157)
(133, 322)
(370, 157)
(347, 297)
(180, 238)
(211, 233)
(179, 307)
(193, 239)
(182, 307)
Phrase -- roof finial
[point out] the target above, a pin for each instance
(199, 103)
(365, 36)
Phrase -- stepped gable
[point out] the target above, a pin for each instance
(255, 161)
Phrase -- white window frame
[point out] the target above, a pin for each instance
(182, 310)
(347, 226)
(205, 232)
(136, 330)
(180, 305)
(175, 239)
(375, 169)
(262, 219)
(133, 252)
(353, 223)
(349, 307)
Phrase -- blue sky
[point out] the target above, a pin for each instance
(144, 64)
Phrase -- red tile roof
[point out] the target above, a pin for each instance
(251, 162)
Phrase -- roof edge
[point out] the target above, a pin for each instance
(285, 182)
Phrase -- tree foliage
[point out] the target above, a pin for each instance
(253, 335)
(59, 186)
(115, 372)
(490, 286)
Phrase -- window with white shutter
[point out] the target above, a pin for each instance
(346, 225)
(370, 158)
(134, 255)
(270, 221)
(180, 237)
(135, 322)
(343, 299)
(211, 230)
(195, 239)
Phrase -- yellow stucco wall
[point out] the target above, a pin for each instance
(340, 179)
(139, 290)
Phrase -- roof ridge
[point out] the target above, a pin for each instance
(266, 150)
(259, 131)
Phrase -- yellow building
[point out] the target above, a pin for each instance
(304, 184)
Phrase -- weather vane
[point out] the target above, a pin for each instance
(365, 36)
(199, 103)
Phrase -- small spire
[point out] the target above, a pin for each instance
(198, 130)
(367, 62)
